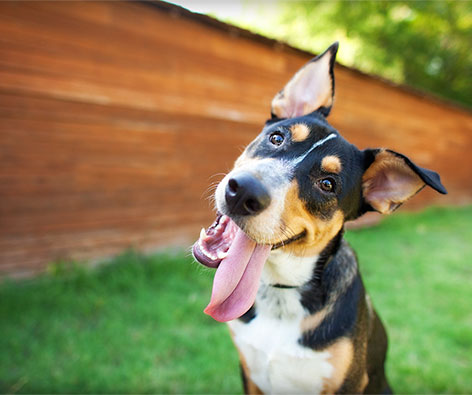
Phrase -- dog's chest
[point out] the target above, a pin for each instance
(277, 363)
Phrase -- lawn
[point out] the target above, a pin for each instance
(137, 325)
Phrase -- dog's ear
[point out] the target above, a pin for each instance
(310, 89)
(391, 178)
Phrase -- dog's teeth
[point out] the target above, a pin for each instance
(203, 233)
(222, 255)
(202, 247)
(207, 253)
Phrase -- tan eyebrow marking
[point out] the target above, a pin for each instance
(331, 164)
(299, 132)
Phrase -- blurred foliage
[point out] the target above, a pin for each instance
(424, 44)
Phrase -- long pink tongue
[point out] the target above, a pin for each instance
(237, 279)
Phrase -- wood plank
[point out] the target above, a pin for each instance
(117, 117)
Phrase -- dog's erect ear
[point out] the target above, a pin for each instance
(310, 89)
(391, 178)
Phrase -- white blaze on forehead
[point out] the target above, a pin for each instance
(296, 161)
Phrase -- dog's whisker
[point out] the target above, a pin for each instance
(210, 190)
(218, 175)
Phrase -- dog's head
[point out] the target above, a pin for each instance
(294, 187)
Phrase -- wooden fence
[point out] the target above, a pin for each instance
(115, 116)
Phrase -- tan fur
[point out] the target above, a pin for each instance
(398, 180)
(364, 382)
(342, 352)
(370, 313)
(318, 231)
(331, 164)
(300, 132)
(313, 321)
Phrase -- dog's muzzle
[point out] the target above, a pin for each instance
(246, 195)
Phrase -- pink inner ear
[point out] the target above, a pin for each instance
(389, 182)
(307, 91)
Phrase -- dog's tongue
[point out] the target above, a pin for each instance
(237, 279)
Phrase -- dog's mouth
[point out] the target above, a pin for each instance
(286, 242)
(239, 262)
(214, 242)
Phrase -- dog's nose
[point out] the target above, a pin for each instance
(245, 195)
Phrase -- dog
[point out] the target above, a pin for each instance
(287, 282)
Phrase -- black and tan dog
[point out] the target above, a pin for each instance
(287, 282)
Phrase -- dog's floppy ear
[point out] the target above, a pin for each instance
(310, 89)
(391, 178)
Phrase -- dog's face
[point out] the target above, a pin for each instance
(298, 182)
(294, 187)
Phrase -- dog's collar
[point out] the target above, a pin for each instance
(283, 286)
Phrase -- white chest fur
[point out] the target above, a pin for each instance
(277, 363)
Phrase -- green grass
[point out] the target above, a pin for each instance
(137, 325)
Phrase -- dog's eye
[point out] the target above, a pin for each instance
(327, 184)
(276, 139)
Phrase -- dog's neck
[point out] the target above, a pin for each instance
(316, 279)
(286, 270)
(283, 269)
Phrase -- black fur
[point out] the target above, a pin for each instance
(249, 315)
(314, 294)
(341, 321)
